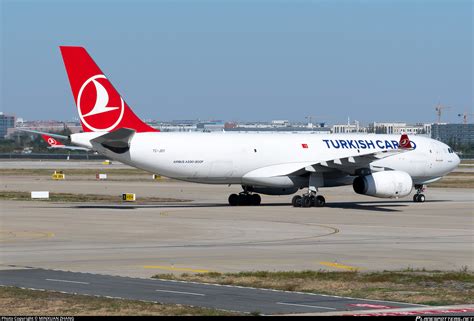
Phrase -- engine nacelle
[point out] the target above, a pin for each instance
(272, 190)
(387, 184)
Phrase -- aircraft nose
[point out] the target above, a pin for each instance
(457, 160)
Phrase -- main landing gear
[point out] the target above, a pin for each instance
(419, 197)
(308, 200)
(244, 198)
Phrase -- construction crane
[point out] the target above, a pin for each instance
(439, 109)
(464, 116)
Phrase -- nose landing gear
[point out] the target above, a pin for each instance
(419, 197)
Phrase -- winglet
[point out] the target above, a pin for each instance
(405, 142)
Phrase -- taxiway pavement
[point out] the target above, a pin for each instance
(352, 232)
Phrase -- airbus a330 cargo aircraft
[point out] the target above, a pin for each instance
(385, 166)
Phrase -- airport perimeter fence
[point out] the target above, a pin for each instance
(83, 156)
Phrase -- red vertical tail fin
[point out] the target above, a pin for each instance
(100, 106)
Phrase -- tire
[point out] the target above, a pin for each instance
(244, 199)
(421, 198)
(296, 201)
(306, 201)
(320, 201)
(234, 200)
(313, 200)
(255, 199)
(415, 198)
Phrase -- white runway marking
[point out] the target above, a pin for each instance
(304, 305)
(67, 281)
(178, 292)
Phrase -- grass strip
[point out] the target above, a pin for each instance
(16, 301)
(69, 197)
(452, 181)
(411, 286)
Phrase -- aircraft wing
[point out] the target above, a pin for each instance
(351, 163)
(347, 164)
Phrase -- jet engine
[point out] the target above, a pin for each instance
(387, 184)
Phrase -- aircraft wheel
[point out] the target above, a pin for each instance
(319, 201)
(234, 200)
(255, 199)
(306, 201)
(296, 201)
(415, 198)
(421, 198)
(244, 199)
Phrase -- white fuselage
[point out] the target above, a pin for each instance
(225, 158)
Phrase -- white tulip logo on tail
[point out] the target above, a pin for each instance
(100, 107)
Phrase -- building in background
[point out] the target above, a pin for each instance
(454, 135)
(174, 125)
(48, 126)
(348, 128)
(276, 126)
(210, 126)
(6, 122)
(399, 128)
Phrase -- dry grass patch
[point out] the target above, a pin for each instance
(468, 174)
(81, 174)
(15, 301)
(452, 181)
(421, 287)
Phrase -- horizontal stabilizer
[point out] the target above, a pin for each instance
(43, 133)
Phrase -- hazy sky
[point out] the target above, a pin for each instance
(246, 60)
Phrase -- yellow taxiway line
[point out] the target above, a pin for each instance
(340, 266)
(12, 236)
